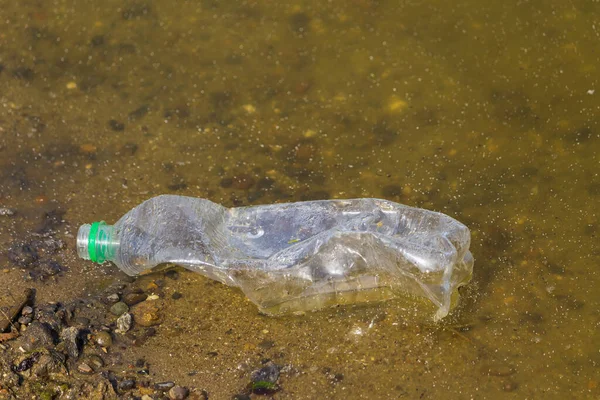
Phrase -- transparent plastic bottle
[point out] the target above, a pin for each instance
(295, 257)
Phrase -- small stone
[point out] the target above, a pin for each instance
(124, 323)
(119, 308)
(172, 274)
(85, 369)
(116, 125)
(37, 335)
(127, 384)
(71, 85)
(164, 386)
(146, 397)
(509, 385)
(147, 314)
(70, 337)
(113, 298)
(243, 181)
(176, 296)
(96, 362)
(4, 211)
(132, 299)
(24, 320)
(103, 339)
(178, 393)
(269, 373)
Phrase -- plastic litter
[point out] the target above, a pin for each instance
(295, 257)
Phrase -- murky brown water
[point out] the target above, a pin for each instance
(488, 113)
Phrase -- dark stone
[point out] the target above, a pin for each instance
(116, 125)
(180, 112)
(140, 362)
(132, 299)
(384, 135)
(97, 41)
(226, 183)
(22, 254)
(24, 320)
(37, 335)
(243, 182)
(178, 393)
(27, 363)
(265, 183)
(130, 148)
(178, 183)
(176, 296)
(127, 384)
(48, 268)
(220, 100)
(52, 220)
(299, 22)
(266, 344)
(164, 386)
(72, 340)
(391, 191)
(242, 397)
(172, 274)
(23, 73)
(269, 373)
(139, 112)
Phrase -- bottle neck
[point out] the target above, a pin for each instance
(97, 242)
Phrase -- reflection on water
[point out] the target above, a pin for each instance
(486, 112)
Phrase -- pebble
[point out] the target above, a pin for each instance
(172, 274)
(84, 368)
(103, 339)
(269, 373)
(178, 393)
(6, 211)
(146, 397)
(127, 384)
(147, 314)
(176, 296)
(27, 310)
(164, 386)
(95, 362)
(132, 299)
(509, 385)
(113, 298)
(24, 320)
(124, 323)
(70, 337)
(36, 335)
(119, 309)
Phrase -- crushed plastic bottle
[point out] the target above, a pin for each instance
(295, 257)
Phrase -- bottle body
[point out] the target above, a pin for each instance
(301, 256)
